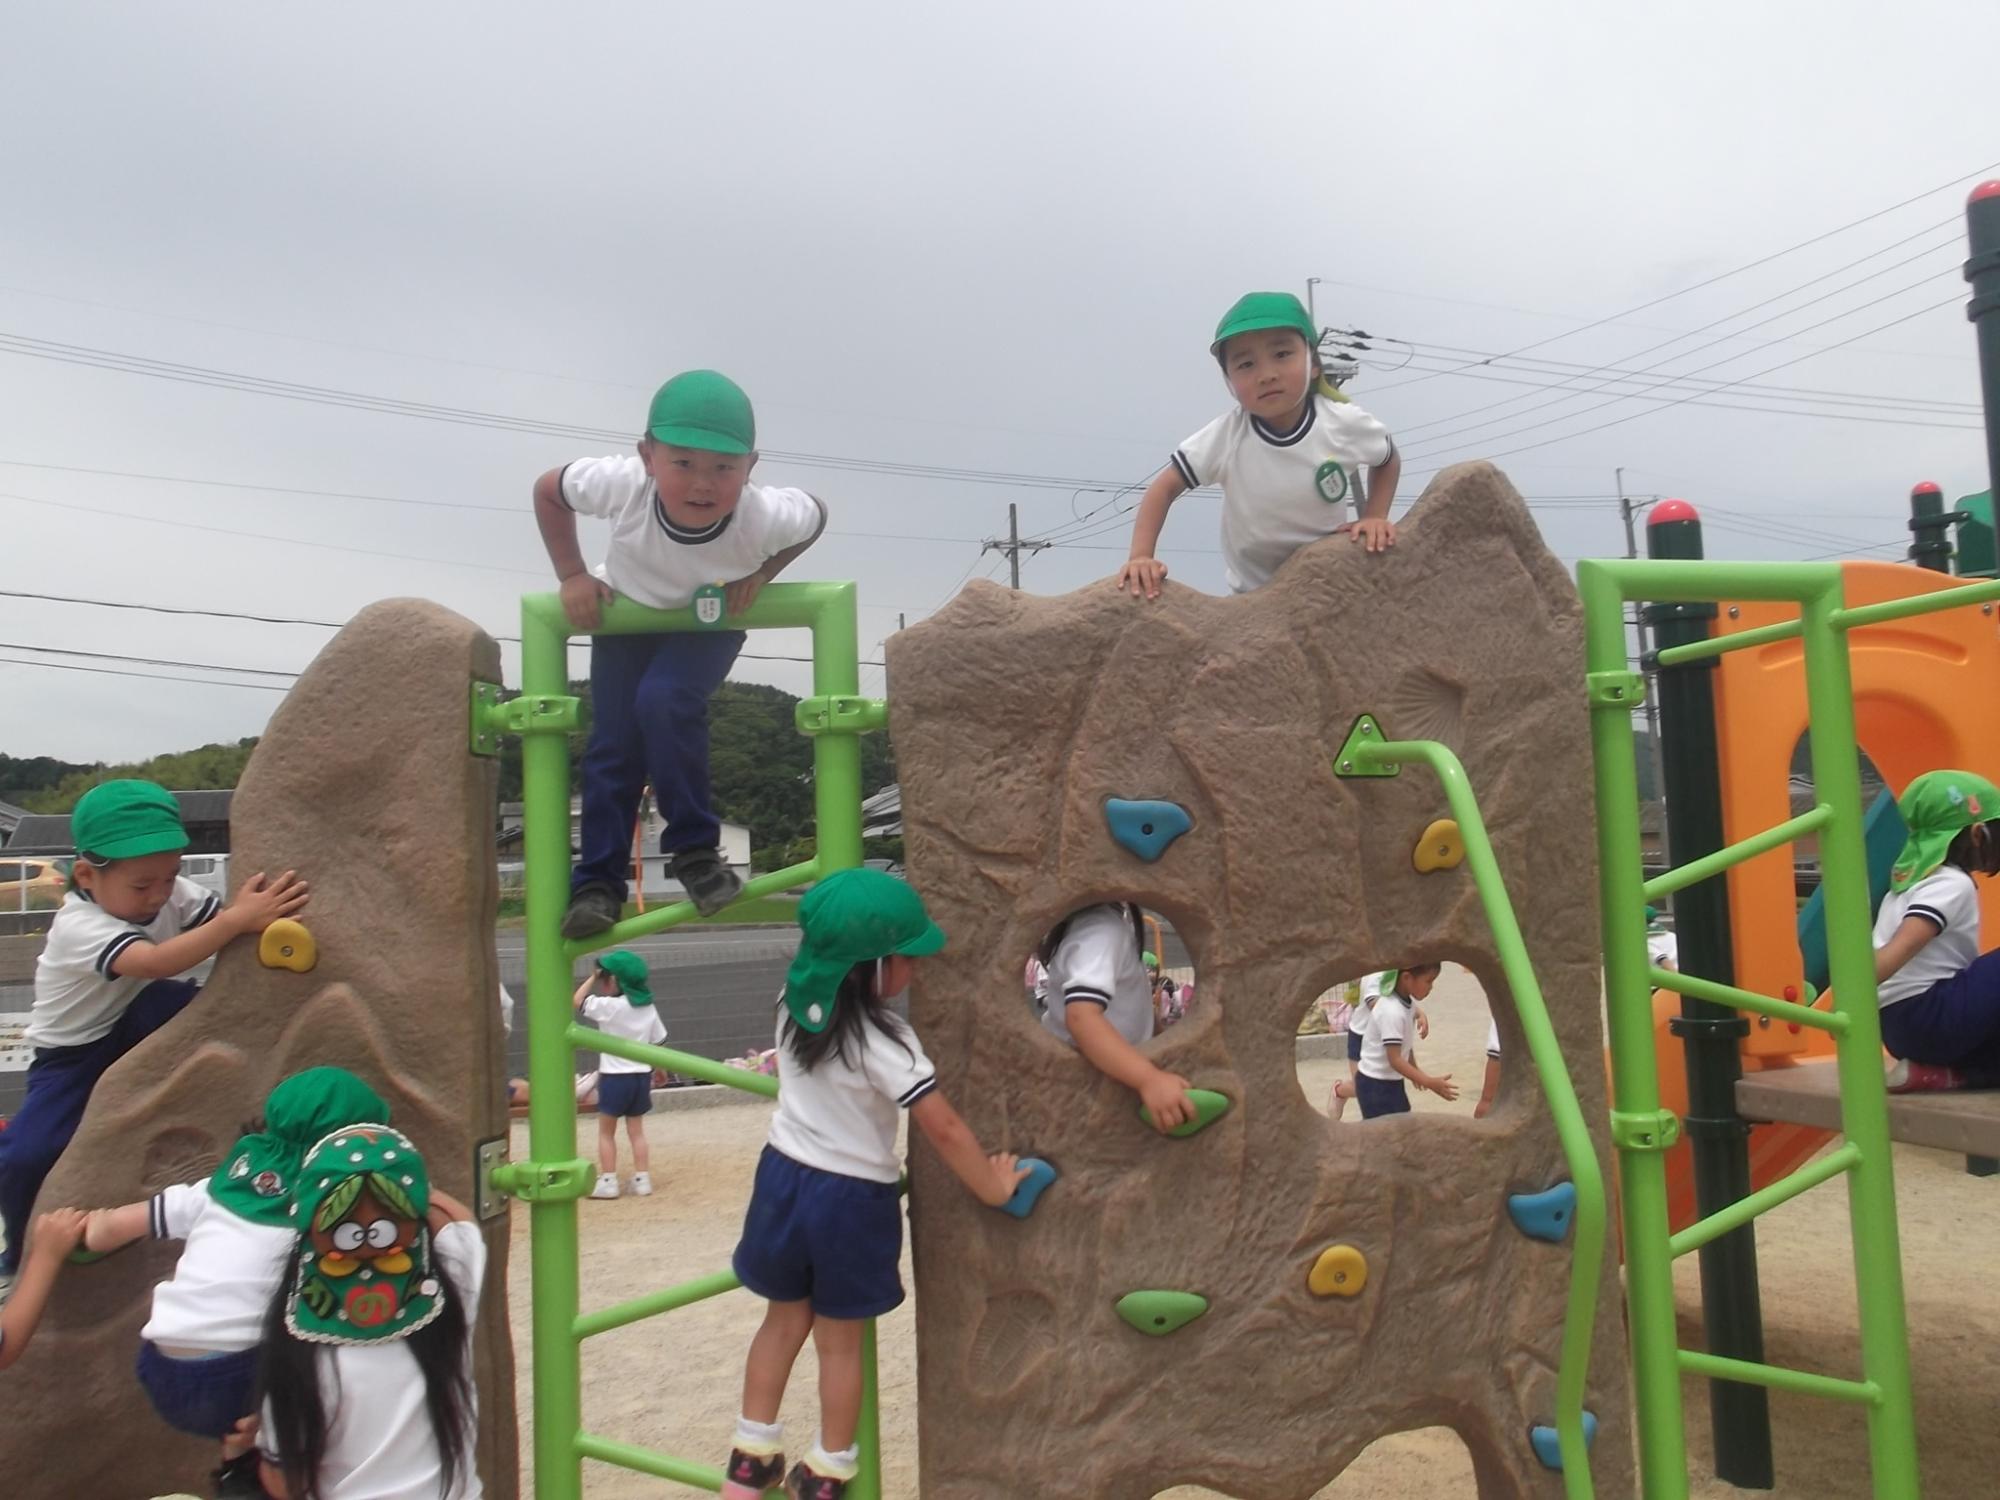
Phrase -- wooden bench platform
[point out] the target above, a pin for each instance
(1809, 1094)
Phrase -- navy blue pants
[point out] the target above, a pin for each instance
(1955, 1023)
(821, 1237)
(1381, 1096)
(201, 1397)
(59, 1083)
(649, 722)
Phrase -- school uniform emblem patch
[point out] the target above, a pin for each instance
(1331, 481)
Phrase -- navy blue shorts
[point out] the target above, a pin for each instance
(819, 1237)
(1354, 1044)
(625, 1094)
(1954, 1024)
(1381, 1096)
(201, 1397)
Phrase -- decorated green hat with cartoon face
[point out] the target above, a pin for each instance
(363, 1269)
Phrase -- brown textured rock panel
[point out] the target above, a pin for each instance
(364, 783)
(1014, 718)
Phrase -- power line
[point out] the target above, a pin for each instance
(148, 661)
(57, 666)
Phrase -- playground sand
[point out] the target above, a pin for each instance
(672, 1383)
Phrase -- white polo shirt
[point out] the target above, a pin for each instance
(379, 1442)
(660, 564)
(617, 1016)
(222, 1285)
(1390, 1021)
(1948, 900)
(1492, 1038)
(1281, 490)
(841, 1117)
(1097, 963)
(77, 997)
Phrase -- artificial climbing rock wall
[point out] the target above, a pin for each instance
(1015, 718)
(364, 784)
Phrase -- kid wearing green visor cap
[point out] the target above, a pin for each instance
(108, 974)
(617, 998)
(1940, 996)
(684, 517)
(1288, 456)
(824, 1230)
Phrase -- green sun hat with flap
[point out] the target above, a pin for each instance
(625, 966)
(703, 409)
(125, 819)
(358, 1288)
(1257, 311)
(260, 1173)
(1935, 806)
(849, 918)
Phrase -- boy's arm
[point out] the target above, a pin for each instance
(1439, 1084)
(1142, 571)
(741, 594)
(1910, 935)
(1375, 530)
(990, 1179)
(54, 1235)
(260, 902)
(1164, 1094)
(583, 594)
(108, 1229)
(1489, 1090)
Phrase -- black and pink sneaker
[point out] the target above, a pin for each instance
(1922, 1078)
(804, 1484)
(750, 1476)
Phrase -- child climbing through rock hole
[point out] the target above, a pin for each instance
(1940, 996)
(108, 974)
(1101, 1003)
(1368, 990)
(823, 1234)
(198, 1352)
(366, 1376)
(1388, 1061)
(617, 998)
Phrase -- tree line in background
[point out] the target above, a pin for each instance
(760, 764)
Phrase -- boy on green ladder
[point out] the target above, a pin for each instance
(684, 519)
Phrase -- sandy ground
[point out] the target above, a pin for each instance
(672, 1383)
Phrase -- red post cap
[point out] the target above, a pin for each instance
(1672, 510)
(1925, 487)
(1984, 191)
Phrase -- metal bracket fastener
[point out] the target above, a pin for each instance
(485, 733)
(1348, 761)
(542, 1181)
(1616, 689)
(1656, 1131)
(535, 713)
(840, 713)
(489, 1202)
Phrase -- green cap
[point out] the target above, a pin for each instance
(849, 918)
(702, 409)
(1260, 310)
(260, 1172)
(1150, 959)
(125, 819)
(1652, 919)
(1935, 806)
(625, 966)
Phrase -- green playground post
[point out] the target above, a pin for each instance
(554, 1176)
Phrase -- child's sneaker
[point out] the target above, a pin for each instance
(803, 1484)
(607, 1185)
(709, 883)
(642, 1184)
(591, 910)
(751, 1475)
(1907, 1077)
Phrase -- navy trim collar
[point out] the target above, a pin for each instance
(681, 534)
(1278, 439)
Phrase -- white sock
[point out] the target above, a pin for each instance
(760, 1439)
(828, 1465)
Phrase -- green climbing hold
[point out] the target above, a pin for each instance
(1161, 1313)
(1209, 1107)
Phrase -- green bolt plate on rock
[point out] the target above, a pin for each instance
(1158, 1314)
(1348, 763)
(1209, 1107)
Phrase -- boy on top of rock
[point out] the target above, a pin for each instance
(684, 517)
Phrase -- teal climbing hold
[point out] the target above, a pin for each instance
(1040, 1175)
(1543, 1439)
(1546, 1215)
(1146, 828)
(1209, 1107)
(1161, 1313)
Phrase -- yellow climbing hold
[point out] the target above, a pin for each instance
(1340, 1271)
(287, 945)
(1441, 848)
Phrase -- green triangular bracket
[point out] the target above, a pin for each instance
(1349, 762)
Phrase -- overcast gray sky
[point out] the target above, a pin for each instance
(920, 235)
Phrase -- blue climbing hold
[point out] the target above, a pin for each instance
(1544, 1216)
(1146, 828)
(1543, 1438)
(1040, 1175)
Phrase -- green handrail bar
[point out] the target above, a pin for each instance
(638, 1309)
(707, 1069)
(557, 1322)
(1695, 871)
(1743, 1210)
(674, 913)
(1367, 755)
(1843, 619)
(1606, 586)
(1682, 983)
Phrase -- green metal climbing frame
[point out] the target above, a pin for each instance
(1641, 1130)
(1367, 753)
(554, 1177)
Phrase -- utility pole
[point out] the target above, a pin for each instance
(899, 619)
(1013, 546)
(1625, 514)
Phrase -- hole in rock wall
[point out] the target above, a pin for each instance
(1117, 960)
(1427, 1463)
(1446, 1032)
